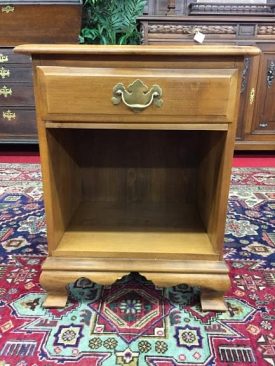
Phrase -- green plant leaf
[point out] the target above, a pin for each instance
(112, 21)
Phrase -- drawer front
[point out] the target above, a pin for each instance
(125, 95)
(15, 122)
(16, 94)
(17, 74)
(39, 23)
(7, 56)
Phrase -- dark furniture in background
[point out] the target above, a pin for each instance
(177, 21)
(24, 21)
(164, 21)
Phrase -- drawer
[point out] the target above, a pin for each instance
(7, 56)
(14, 73)
(16, 94)
(125, 95)
(39, 23)
(15, 122)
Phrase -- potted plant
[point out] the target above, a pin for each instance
(111, 21)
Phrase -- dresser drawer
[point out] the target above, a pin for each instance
(182, 95)
(15, 122)
(14, 73)
(7, 56)
(34, 22)
(16, 94)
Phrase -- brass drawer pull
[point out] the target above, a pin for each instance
(5, 91)
(252, 96)
(4, 73)
(9, 115)
(3, 58)
(8, 9)
(137, 96)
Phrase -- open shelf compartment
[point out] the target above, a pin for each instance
(133, 193)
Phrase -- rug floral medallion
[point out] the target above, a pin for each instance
(133, 322)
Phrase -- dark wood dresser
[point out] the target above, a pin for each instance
(28, 22)
(237, 23)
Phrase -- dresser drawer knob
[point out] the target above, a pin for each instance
(9, 115)
(3, 58)
(137, 95)
(8, 9)
(263, 124)
(5, 91)
(4, 73)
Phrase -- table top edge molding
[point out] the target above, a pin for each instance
(185, 50)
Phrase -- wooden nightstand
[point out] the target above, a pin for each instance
(136, 145)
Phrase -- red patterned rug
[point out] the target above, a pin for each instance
(134, 323)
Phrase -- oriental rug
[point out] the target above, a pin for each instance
(132, 322)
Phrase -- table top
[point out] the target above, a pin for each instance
(188, 50)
